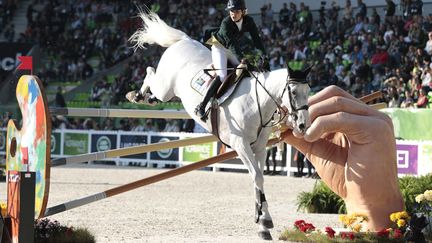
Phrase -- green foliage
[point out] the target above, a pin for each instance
(412, 186)
(320, 200)
(51, 231)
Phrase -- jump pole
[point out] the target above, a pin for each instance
(132, 150)
(143, 182)
(93, 112)
(371, 97)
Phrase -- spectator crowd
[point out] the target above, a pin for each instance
(355, 48)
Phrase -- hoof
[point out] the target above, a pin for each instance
(267, 223)
(132, 97)
(136, 98)
(265, 235)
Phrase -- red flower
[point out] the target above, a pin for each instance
(298, 223)
(349, 235)
(303, 226)
(383, 233)
(330, 232)
(343, 235)
(397, 234)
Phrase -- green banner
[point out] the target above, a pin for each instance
(2, 141)
(55, 143)
(75, 143)
(198, 152)
(411, 124)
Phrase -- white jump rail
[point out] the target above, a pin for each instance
(130, 113)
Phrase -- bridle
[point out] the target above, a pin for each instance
(294, 109)
(292, 112)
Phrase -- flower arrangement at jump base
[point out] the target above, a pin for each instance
(424, 206)
(405, 229)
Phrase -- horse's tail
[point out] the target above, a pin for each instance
(155, 31)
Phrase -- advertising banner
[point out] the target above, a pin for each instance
(9, 57)
(103, 142)
(411, 124)
(75, 143)
(128, 140)
(55, 143)
(407, 159)
(166, 154)
(2, 141)
(198, 152)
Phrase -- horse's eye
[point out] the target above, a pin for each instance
(294, 93)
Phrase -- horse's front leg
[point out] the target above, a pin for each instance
(262, 213)
(245, 153)
(143, 96)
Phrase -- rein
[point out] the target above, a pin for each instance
(280, 109)
(293, 107)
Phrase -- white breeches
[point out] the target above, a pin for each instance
(220, 57)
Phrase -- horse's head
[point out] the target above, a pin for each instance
(296, 100)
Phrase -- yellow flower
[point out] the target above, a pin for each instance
(428, 195)
(404, 215)
(342, 218)
(419, 198)
(401, 223)
(3, 209)
(393, 217)
(356, 227)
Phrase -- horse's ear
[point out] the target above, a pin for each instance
(290, 71)
(307, 70)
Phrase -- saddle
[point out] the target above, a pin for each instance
(231, 80)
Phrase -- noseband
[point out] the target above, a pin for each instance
(294, 109)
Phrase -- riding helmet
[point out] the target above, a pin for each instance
(236, 5)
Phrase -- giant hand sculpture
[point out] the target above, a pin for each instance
(353, 149)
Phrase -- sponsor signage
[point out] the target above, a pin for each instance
(198, 152)
(75, 143)
(2, 141)
(133, 140)
(9, 56)
(166, 154)
(55, 143)
(407, 159)
(103, 142)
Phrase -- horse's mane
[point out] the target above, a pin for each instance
(155, 31)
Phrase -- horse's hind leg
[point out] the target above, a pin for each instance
(142, 96)
(246, 155)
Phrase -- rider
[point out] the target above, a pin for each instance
(230, 42)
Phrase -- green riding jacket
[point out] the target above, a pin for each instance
(237, 41)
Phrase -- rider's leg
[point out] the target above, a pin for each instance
(219, 59)
(200, 109)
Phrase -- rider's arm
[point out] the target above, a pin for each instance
(228, 36)
(250, 26)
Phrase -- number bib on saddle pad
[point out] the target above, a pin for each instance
(202, 80)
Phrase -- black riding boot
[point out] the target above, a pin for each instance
(200, 109)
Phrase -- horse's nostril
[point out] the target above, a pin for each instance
(302, 127)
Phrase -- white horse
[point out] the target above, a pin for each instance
(243, 116)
